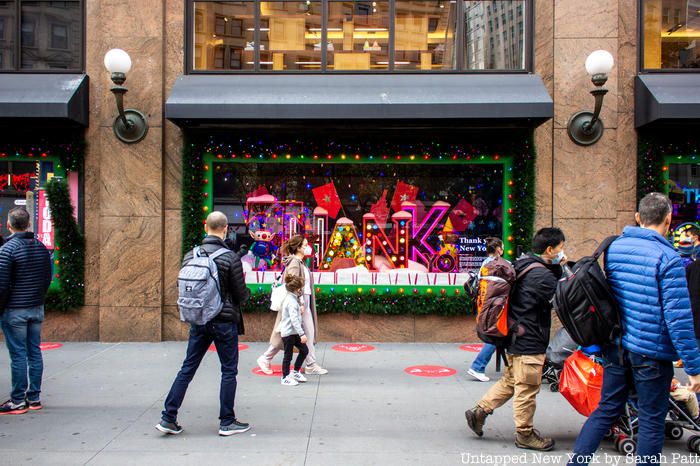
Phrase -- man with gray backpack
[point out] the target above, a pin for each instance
(211, 288)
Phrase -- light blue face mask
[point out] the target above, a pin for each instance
(558, 258)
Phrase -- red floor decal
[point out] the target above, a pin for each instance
(353, 348)
(474, 348)
(276, 370)
(430, 371)
(49, 346)
(241, 347)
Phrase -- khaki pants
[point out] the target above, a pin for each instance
(521, 381)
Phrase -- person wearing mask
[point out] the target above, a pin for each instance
(294, 252)
(648, 280)
(494, 249)
(531, 310)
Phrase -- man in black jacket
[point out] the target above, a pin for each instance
(223, 330)
(530, 310)
(25, 276)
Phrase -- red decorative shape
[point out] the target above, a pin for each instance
(404, 193)
(276, 370)
(352, 348)
(241, 347)
(430, 371)
(46, 346)
(327, 197)
(261, 191)
(380, 210)
(462, 215)
(472, 348)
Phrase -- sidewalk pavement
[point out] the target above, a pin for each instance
(103, 400)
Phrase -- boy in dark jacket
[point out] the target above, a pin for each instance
(25, 276)
(223, 331)
(530, 311)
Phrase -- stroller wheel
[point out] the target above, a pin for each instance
(609, 435)
(694, 444)
(626, 446)
(673, 432)
(554, 387)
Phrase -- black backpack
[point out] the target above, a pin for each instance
(585, 303)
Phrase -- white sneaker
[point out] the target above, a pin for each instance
(289, 380)
(298, 376)
(264, 365)
(315, 370)
(480, 376)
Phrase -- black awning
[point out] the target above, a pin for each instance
(51, 99)
(667, 99)
(478, 100)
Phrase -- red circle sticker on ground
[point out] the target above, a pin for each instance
(430, 371)
(353, 348)
(49, 346)
(241, 347)
(474, 348)
(276, 370)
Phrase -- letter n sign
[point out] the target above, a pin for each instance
(376, 241)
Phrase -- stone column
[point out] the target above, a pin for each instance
(124, 183)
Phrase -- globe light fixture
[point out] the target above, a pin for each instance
(586, 128)
(131, 125)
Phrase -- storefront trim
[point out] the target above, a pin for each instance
(667, 99)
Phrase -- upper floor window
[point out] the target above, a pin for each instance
(41, 35)
(671, 35)
(369, 36)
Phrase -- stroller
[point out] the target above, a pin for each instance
(560, 347)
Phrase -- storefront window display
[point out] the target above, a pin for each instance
(683, 187)
(671, 30)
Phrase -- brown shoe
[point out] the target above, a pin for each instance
(533, 441)
(476, 418)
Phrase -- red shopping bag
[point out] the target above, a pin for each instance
(580, 382)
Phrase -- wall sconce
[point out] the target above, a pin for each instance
(586, 128)
(131, 125)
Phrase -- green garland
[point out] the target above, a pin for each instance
(192, 180)
(652, 149)
(379, 304)
(71, 154)
(70, 256)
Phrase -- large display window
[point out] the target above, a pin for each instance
(682, 174)
(400, 218)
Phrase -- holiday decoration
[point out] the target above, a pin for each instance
(380, 210)
(462, 215)
(327, 197)
(376, 241)
(404, 193)
(420, 249)
(343, 243)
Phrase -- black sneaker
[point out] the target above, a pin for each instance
(34, 405)
(235, 427)
(9, 407)
(171, 428)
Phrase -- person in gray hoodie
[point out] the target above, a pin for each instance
(292, 332)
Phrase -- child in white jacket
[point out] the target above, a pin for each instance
(292, 331)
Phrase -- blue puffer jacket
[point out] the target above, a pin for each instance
(648, 279)
(25, 272)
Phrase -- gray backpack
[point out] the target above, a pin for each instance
(199, 292)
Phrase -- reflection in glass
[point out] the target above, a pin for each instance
(51, 35)
(290, 36)
(671, 34)
(223, 36)
(425, 35)
(494, 33)
(7, 35)
(684, 192)
(358, 35)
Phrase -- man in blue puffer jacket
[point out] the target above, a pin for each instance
(648, 279)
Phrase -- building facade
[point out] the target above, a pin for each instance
(430, 125)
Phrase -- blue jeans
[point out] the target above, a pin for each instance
(225, 337)
(22, 330)
(650, 379)
(483, 358)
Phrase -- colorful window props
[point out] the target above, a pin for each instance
(682, 181)
(447, 209)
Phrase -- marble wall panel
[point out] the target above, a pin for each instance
(543, 175)
(544, 42)
(130, 323)
(172, 257)
(79, 325)
(173, 328)
(625, 218)
(593, 18)
(626, 172)
(445, 329)
(130, 263)
(584, 235)
(172, 167)
(126, 18)
(585, 185)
